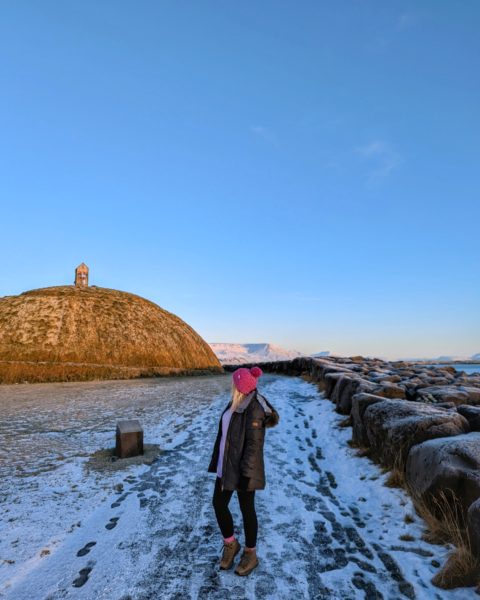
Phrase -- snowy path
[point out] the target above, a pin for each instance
(328, 527)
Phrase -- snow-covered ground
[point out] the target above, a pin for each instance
(328, 526)
(237, 354)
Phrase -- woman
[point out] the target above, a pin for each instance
(237, 460)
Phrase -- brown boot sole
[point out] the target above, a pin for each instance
(248, 571)
(233, 560)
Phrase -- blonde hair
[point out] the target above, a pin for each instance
(237, 397)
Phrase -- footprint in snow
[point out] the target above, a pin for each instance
(331, 479)
(83, 575)
(112, 523)
(86, 549)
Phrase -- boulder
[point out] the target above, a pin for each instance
(447, 405)
(404, 373)
(339, 383)
(448, 369)
(378, 375)
(411, 386)
(415, 381)
(391, 378)
(439, 381)
(448, 467)
(330, 381)
(357, 359)
(317, 369)
(451, 393)
(297, 366)
(394, 426)
(400, 364)
(360, 403)
(389, 390)
(344, 390)
(473, 527)
(473, 394)
(472, 414)
(375, 373)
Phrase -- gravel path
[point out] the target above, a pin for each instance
(328, 526)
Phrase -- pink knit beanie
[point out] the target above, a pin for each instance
(245, 380)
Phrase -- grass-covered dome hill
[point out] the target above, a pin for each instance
(70, 333)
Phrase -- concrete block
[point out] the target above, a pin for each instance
(129, 439)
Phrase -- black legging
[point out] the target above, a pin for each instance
(246, 500)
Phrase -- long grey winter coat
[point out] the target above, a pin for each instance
(243, 466)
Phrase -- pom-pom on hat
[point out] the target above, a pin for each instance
(245, 380)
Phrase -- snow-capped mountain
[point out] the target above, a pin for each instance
(449, 358)
(445, 359)
(237, 354)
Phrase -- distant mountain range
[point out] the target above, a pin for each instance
(446, 359)
(237, 354)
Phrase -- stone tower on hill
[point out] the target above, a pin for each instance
(81, 275)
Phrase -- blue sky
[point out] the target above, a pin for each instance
(300, 173)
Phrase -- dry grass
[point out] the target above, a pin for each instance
(68, 333)
(445, 525)
(395, 467)
(461, 570)
(105, 460)
(395, 479)
(363, 452)
(442, 515)
(11, 373)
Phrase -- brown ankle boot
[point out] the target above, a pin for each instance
(230, 551)
(247, 563)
